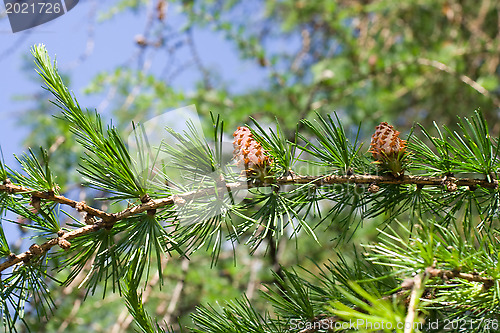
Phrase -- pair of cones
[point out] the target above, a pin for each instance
(388, 150)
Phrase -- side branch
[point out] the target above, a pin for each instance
(37, 250)
(487, 282)
(8, 187)
(415, 285)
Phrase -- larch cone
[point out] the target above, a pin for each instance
(388, 150)
(249, 152)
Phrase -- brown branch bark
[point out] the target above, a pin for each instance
(487, 282)
(45, 247)
(107, 220)
(8, 187)
(388, 179)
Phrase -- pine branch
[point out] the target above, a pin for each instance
(108, 220)
(388, 179)
(268, 159)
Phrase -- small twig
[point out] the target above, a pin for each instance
(123, 321)
(412, 307)
(45, 247)
(464, 78)
(57, 143)
(274, 259)
(106, 222)
(306, 46)
(252, 279)
(305, 110)
(487, 282)
(76, 306)
(177, 292)
(197, 60)
(90, 44)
